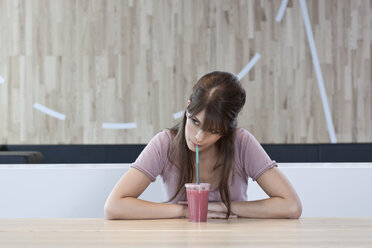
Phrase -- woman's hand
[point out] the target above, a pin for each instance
(216, 210)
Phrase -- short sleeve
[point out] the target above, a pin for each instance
(151, 161)
(252, 156)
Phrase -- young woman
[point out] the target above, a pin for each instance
(228, 156)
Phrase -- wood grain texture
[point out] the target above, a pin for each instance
(136, 61)
(306, 232)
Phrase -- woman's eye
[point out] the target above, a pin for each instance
(195, 121)
(214, 132)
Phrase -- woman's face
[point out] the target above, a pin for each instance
(195, 136)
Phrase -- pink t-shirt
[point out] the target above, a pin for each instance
(251, 160)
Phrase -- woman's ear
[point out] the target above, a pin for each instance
(188, 103)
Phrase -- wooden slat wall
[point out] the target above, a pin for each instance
(136, 61)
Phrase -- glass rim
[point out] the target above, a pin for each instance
(200, 186)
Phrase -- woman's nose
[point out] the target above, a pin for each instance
(199, 135)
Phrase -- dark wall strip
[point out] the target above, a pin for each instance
(128, 153)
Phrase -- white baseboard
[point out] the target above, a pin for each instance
(80, 190)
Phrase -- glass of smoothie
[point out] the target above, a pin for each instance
(197, 200)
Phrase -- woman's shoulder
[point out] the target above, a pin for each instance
(244, 140)
(162, 139)
(165, 135)
(242, 135)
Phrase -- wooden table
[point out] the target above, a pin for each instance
(305, 232)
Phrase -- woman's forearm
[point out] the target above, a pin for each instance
(133, 208)
(274, 207)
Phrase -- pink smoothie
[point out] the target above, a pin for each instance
(197, 198)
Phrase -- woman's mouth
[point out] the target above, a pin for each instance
(194, 144)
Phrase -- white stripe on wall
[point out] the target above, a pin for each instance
(49, 111)
(318, 71)
(178, 115)
(129, 125)
(280, 14)
(249, 66)
(2, 80)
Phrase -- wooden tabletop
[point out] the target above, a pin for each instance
(305, 232)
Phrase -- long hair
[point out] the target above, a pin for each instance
(222, 97)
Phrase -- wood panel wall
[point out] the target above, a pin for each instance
(136, 61)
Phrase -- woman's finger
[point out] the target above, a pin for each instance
(216, 215)
(220, 215)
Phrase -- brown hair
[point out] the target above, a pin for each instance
(222, 97)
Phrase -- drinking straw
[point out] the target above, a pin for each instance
(197, 164)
